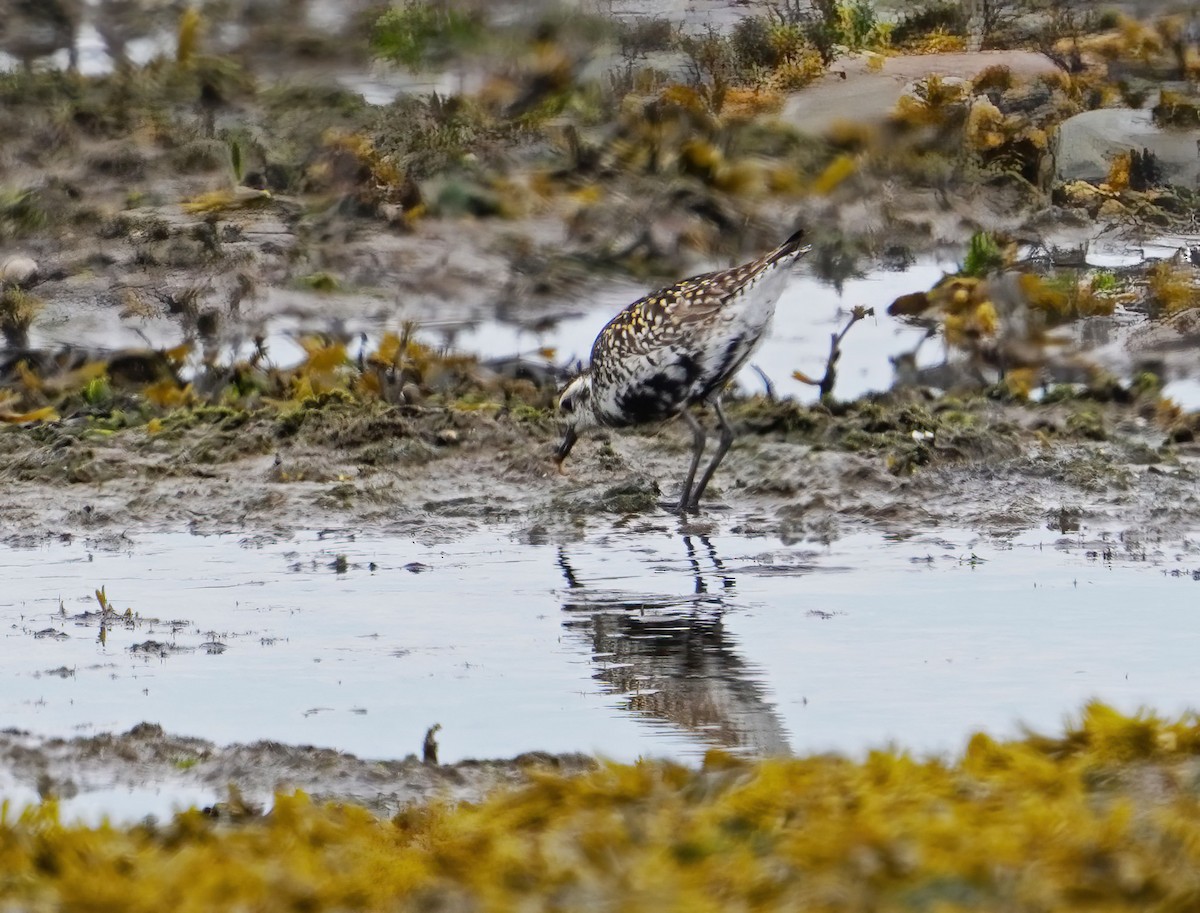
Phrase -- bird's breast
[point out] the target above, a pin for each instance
(646, 387)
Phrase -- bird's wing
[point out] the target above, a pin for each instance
(669, 315)
(661, 318)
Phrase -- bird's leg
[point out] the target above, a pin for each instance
(698, 439)
(722, 449)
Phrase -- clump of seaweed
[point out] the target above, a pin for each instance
(983, 256)
(890, 831)
(347, 393)
(21, 213)
(1002, 317)
(1176, 110)
(1171, 289)
(18, 309)
(419, 33)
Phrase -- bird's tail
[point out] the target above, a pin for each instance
(792, 247)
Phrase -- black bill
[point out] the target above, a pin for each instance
(564, 448)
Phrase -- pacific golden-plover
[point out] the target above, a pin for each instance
(676, 348)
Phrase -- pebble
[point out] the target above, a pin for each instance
(18, 270)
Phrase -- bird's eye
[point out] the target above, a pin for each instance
(566, 404)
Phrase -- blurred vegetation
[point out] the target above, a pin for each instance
(18, 309)
(424, 33)
(650, 145)
(1104, 815)
(21, 214)
(983, 256)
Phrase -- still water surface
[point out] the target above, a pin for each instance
(625, 643)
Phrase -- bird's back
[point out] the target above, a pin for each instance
(681, 344)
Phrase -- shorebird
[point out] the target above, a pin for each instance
(677, 348)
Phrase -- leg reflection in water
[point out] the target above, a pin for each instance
(727, 582)
(670, 654)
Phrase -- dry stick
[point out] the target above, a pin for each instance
(825, 384)
(768, 384)
(429, 750)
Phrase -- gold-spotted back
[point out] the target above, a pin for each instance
(682, 344)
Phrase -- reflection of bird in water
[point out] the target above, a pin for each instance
(30, 29)
(676, 348)
(727, 582)
(673, 658)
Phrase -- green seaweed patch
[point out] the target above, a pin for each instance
(1060, 393)
(787, 417)
(543, 418)
(635, 496)
(477, 402)
(906, 434)
(320, 282)
(290, 421)
(1146, 384)
(374, 433)
(418, 33)
(1089, 470)
(339, 496)
(1088, 424)
(223, 416)
(113, 421)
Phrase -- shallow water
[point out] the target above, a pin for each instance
(808, 313)
(626, 643)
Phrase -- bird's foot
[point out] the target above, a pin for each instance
(688, 508)
(692, 508)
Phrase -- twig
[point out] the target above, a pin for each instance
(825, 384)
(768, 384)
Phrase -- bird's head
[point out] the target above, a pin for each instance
(575, 406)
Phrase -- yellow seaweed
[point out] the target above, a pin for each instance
(1095, 817)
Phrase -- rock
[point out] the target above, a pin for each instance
(1086, 144)
(19, 271)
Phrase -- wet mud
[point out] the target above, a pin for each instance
(892, 464)
(113, 764)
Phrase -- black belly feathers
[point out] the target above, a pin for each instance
(657, 397)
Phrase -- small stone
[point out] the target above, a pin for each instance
(19, 271)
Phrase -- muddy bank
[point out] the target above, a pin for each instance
(429, 472)
(146, 757)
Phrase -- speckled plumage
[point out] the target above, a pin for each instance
(678, 347)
